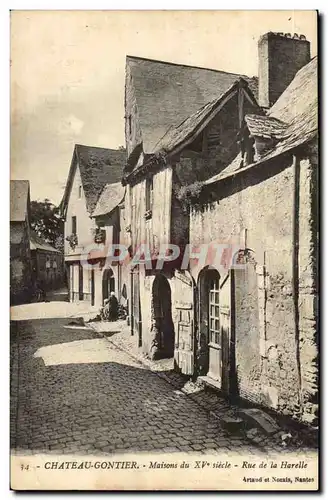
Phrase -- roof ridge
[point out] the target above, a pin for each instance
(190, 66)
(99, 147)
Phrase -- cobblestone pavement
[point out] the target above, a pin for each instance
(73, 391)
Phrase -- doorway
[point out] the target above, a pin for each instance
(162, 311)
(216, 343)
(108, 283)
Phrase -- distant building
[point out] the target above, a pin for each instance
(47, 263)
(21, 284)
(92, 169)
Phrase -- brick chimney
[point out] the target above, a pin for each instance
(281, 55)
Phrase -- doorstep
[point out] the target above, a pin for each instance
(210, 382)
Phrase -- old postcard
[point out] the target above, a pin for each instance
(164, 250)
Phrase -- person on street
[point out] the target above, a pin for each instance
(113, 307)
(110, 309)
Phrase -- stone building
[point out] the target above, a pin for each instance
(47, 263)
(257, 337)
(212, 159)
(91, 169)
(110, 221)
(21, 288)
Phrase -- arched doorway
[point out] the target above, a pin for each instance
(162, 323)
(216, 342)
(108, 283)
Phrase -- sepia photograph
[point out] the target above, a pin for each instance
(164, 250)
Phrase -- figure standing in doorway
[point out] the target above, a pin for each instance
(112, 307)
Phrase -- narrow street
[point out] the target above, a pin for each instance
(75, 392)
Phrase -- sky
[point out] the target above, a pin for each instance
(67, 73)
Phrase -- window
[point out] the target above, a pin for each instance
(80, 191)
(74, 224)
(149, 194)
(214, 311)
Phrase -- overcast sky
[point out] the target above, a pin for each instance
(67, 73)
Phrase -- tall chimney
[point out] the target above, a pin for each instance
(280, 57)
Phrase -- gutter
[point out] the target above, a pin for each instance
(295, 270)
(265, 159)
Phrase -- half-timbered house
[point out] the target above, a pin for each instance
(169, 150)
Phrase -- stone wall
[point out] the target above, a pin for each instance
(275, 362)
(308, 287)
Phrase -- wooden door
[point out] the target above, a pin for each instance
(214, 333)
(71, 282)
(219, 324)
(184, 345)
(225, 334)
(92, 287)
(80, 282)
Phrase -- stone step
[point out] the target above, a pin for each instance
(258, 418)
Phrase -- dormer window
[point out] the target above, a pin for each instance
(80, 191)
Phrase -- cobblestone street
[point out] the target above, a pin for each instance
(74, 391)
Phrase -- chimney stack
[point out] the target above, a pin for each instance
(281, 55)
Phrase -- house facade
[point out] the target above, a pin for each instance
(166, 154)
(261, 342)
(47, 263)
(21, 283)
(236, 168)
(91, 169)
(111, 225)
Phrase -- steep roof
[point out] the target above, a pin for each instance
(37, 243)
(295, 113)
(299, 96)
(167, 93)
(19, 200)
(189, 127)
(111, 196)
(265, 126)
(98, 167)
